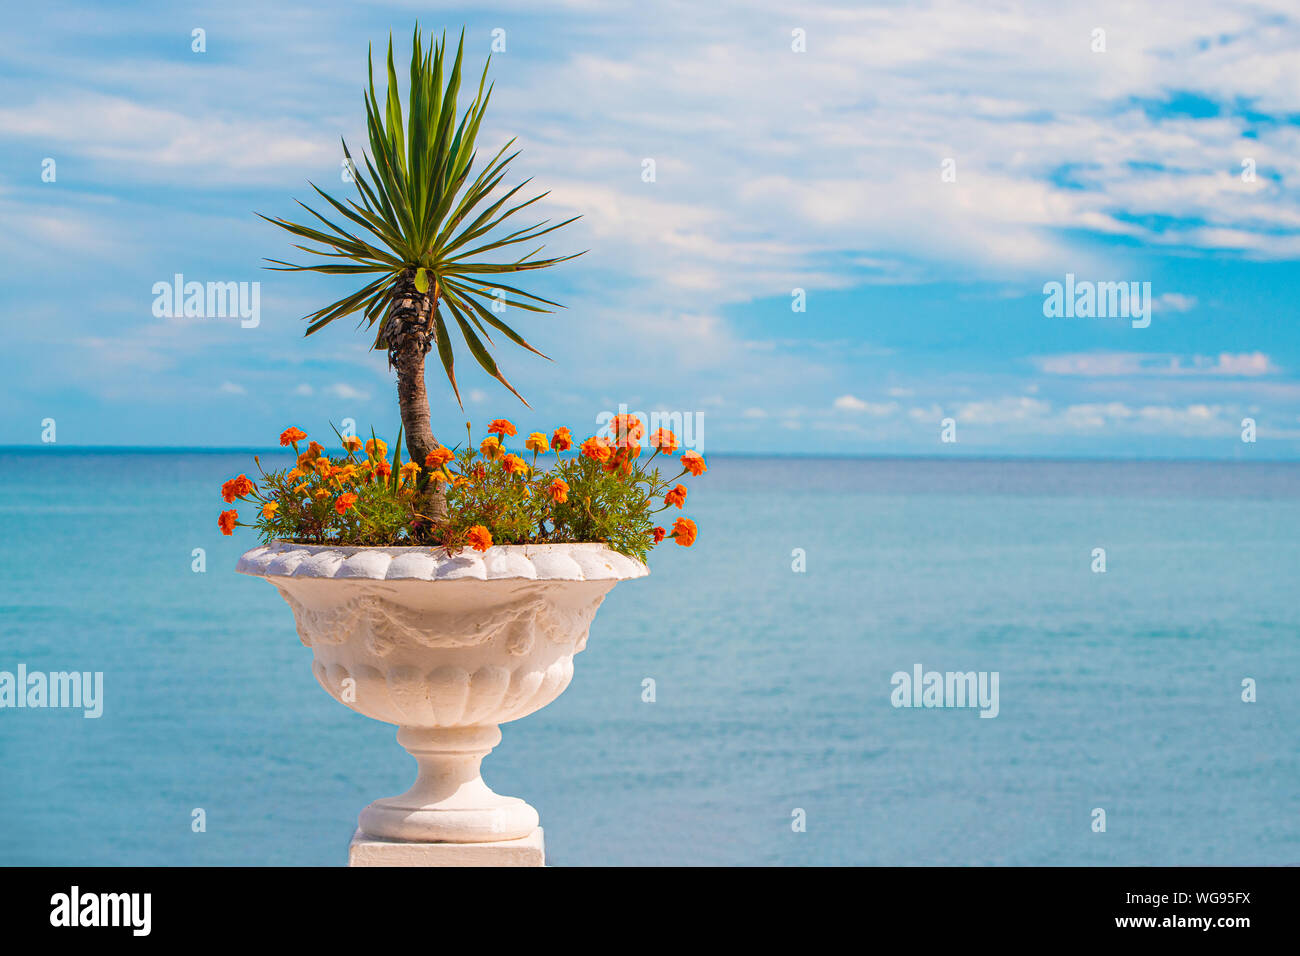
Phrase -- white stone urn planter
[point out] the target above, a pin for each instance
(447, 647)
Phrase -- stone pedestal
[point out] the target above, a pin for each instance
(365, 850)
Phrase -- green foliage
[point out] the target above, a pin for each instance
(420, 214)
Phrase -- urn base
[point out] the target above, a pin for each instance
(449, 802)
(365, 850)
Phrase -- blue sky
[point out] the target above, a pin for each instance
(821, 170)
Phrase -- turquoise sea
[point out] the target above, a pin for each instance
(1119, 690)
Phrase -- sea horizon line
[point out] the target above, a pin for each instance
(968, 456)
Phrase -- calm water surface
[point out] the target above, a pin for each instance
(1119, 690)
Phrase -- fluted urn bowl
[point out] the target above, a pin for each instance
(447, 647)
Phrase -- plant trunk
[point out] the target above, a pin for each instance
(410, 334)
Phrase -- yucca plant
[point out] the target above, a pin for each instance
(427, 233)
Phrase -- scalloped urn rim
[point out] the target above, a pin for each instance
(558, 561)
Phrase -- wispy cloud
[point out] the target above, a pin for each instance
(1110, 364)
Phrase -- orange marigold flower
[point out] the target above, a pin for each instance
(537, 442)
(291, 435)
(323, 467)
(501, 427)
(621, 461)
(480, 539)
(312, 453)
(684, 532)
(659, 534)
(513, 463)
(322, 493)
(693, 462)
(300, 489)
(559, 491)
(438, 457)
(626, 428)
(226, 521)
(409, 470)
(676, 497)
(270, 508)
(439, 476)
(235, 488)
(382, 468)
(377, 448)
(665, 441)
(344, 502)
(491, 448)
(597, 449)
(562, 440)
(352, 443)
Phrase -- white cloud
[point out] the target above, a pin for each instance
(1002, 410)
(345, 391)
(851, 403)
(1110, 364)
(1025, 416)
(230, 388)
(1174, 302)
(151, 142)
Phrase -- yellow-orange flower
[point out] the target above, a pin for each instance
(663, 440)
(537, 442)
(438, 457)
(312, 453)
(235, 488)
(376, 448)
(562, 440)
(409, 470)
(293, 474)
(321, 493)
(684, 532)
(693, 462)
(626, 428)
(676, 496)
(344, 502)
(513, 464)
(596, 448)
(323, 467)
(559, 491)
(300, 489)
(491, 448)
(291, 435)
(438, 475)
(480, 539)
(226, 521)
(382, 468)
(269, 509)
(352, 443)
(501, 427)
